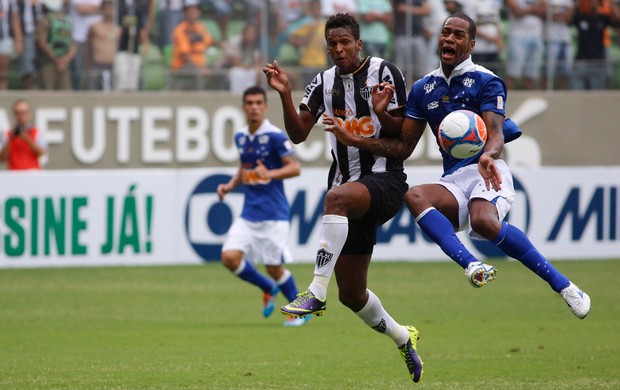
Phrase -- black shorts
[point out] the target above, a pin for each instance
(387, 190)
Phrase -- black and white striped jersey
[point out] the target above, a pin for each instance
(348, 97)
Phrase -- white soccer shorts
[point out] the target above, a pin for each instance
(466, 184)
(261, 242)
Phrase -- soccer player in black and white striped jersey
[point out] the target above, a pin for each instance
(365, 190)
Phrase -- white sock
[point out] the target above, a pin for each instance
(240, 268)
(285, 275)
(334, 230)
(375, 316)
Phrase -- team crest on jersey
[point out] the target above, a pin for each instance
(366, 92)
(242, 141)
(263, 139)
(468, 82)
(429, 87)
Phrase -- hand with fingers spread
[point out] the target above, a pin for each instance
(381, 96)
(276, 78)
(491, 175)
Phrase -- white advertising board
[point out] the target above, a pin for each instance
(173, 216)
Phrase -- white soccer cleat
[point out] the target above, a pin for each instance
(577, 300)
(479, 273)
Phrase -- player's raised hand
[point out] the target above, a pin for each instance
(276, 78)
(381, 96)
(333, 126)
(489, 172)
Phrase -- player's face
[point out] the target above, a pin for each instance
(343, 49)
(255, 108)
(455, 44)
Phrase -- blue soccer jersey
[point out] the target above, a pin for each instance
(470, 87)
(264, 199)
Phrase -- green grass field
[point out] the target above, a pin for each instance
(198, 327)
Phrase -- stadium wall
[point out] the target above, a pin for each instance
(131, 180)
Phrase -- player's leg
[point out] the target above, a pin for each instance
(234, 250)
(351, 276)
(349, 201)
(439, 213)
(487, 212)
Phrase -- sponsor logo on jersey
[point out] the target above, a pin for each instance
(363, 127)
(432, 105)
(429, 87)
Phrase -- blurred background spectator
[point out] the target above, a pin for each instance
(529, 42)
(376, 18)
(11, 38)
(22, 146)
(83, 14)
(30, 11)
(525, 43)
(136, 19)
(101, 48)
(410, 47)
(170, 14)
(55, 47)
(489, 37)
(559, 43)
(243, 57)
(190, 41)
(309, 39)
(592, 18)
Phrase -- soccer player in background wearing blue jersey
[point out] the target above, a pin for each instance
(260, 235)
(364, 190)
(473, 194)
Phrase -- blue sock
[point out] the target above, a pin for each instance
(248, 273)
(440, 230)
(515, 244)
(288, 286)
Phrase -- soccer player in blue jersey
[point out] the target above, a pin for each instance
(365, 190)
(474, 193)
(260, 235)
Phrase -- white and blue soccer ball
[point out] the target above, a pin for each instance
(462, 134)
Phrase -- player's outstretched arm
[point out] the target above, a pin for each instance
(297, 126)
(400, 147)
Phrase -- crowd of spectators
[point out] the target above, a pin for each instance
(133, 45)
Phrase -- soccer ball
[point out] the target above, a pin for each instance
(462, 134)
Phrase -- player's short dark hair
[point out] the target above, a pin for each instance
(255, 90)
(345, 21)
(472, 25)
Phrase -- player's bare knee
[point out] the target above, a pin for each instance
(275, 272)
(415, 201)
(487, 225)
(230, 261)
(335, 202)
